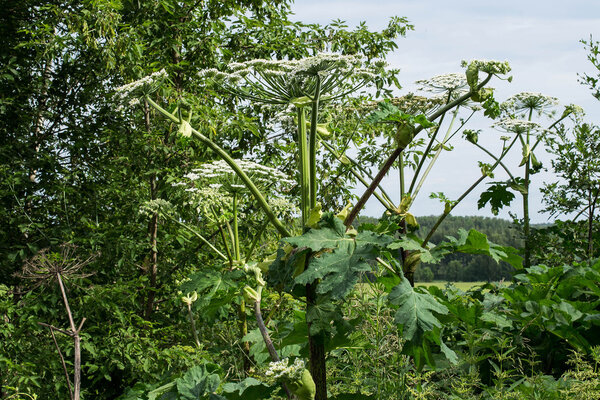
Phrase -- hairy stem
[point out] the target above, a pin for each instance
(236, 168)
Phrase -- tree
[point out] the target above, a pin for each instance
(578, 166)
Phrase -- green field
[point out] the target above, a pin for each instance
(442, 284)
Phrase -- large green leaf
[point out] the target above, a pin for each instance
(199, 382)
(337, 260)
(249, 388)
(416, 311)
(497, 195)
(338, 270)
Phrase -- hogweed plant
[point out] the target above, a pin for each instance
(517, 112)
(322, 265)
(407, 115)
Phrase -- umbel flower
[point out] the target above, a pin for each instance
(131, 92)
(289, 81)
(281, 369)
(220, 173)
(215, 182)
(443, 83)
(517, 125)
(526, 102)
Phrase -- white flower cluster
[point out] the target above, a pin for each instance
(281, 81)
(282, 206)
(446, 82)
(144, 85)
(208, 198)
(489, 66)
(281, 369)
(526, 101)
(316, 65)
(517, 125)
(220, 169)
(575, 110)
(155, 206)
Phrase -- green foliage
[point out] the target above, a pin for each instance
(497, 195)
(338, 258)
(421, 328)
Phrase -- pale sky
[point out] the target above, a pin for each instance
(540, 39)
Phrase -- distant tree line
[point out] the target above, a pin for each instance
(465, 267)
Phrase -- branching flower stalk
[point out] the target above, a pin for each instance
(234, 166)
(303, 84)
(44, 268)
(521, 105)
(383, 197)
(450, 206)
(492, 68)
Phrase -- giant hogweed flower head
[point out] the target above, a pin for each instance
(517, 125)
(220, 173)
(130, 93)
(525, 102)
(574, 110)
(288, 81)
(491, 67)
(443, 83)
(280, 370)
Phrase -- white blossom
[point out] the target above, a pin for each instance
(517, 125)
(489, 66)
(282, 81)
(446, 82)
(155, 206)
(527, 101)
(281, 369)
(126, 90)
(220, 169)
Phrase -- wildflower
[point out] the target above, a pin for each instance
(155, 206)
(132, 91)
(527, 101)
(220, 169)
(575, 110)
(489, 66)
(281, 369)
(282, 81)
(443, 83)
(190, 298)
(517, 125)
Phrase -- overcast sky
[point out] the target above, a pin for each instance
(540, 39)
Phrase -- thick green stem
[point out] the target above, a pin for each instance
(236, 168)
(436, 156)
(401, 175)
(304, 166)
(193, 323)
(527, 258)
(465, 194)
(236, 235)
(312, 144)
